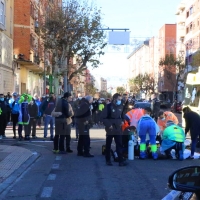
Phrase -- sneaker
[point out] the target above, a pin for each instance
(55, 151)
(1, 137)
(109, 163)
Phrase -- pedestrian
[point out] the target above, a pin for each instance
(126, 105)
(192, 121)
(83, 118)
(68, 98)
(33, 112)
(3, 116)
(46, 107)
(14, 106)
(24, 116)
(7, 98)
(38, 103)
(112, 120)
(163, 117)
(155, 107)
(173, 138)
(147, 127)
(61, 113)
(76, 105)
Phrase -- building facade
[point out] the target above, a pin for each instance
(166, 74)
(6, 46)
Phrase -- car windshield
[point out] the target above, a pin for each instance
(142, 105)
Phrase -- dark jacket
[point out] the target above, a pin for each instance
(63, 107)
(156, 106)
(76, 104)
(95, 106)
(3, 106)
(112, 116)
(126, 107)
(47, 106)
(192, 121)
(33, 110)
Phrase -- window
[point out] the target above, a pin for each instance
(187, 14)
(187, 30)
(2, 13)
(191, 10)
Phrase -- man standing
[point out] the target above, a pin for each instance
(24, 116)
(13, 103)
(38, 103)
(76, 105)
(33, 111)
(112, 119)
(126, 105)
(61, 113)
(83, 119)
(155, 107)
(47, 107)
(3, 116)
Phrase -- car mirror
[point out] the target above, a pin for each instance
(185, 179)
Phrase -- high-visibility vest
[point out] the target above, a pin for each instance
(134, 116)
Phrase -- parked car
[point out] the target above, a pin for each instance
(187, 181)
(176, 107)
(165, 104)
(142, 104)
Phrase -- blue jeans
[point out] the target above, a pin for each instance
(48, 120)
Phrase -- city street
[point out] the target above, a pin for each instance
(70, 177)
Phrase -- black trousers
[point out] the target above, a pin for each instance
(59, 142)
(3, 124)
(119, 148)
(20, 127)
(32, 127)
(15, 121)
(84, 139)
(68, 136)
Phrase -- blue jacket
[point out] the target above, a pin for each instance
(38, 103)
(14, 106)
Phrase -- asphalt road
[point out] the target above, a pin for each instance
(69, 177)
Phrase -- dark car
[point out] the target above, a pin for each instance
(142, 105)
(165, 104)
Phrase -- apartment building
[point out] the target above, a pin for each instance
(30, 56)
(188, 33)
(138, 61)
(167, 75)
(6, 46)
(103, 83)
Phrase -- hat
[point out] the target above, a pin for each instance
(66, 95)
(169, 123)
(14, 94)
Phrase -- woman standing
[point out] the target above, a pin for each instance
(192, 121)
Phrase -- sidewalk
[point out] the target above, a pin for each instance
(13, 162)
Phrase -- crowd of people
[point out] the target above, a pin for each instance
(115, 114)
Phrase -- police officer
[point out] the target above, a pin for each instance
(112, 119)
(3, 116)
(155, 107)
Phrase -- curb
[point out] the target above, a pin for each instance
(11, 180)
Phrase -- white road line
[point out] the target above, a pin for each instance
(51, 177)
(46, 192)
(55, 166)
(58, 157)
(172, 195)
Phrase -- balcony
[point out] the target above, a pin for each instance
(181, 6)
(181, 31)
(181, 19)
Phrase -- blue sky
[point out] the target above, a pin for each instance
(144, 18)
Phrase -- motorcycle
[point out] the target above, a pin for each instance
(187, 181)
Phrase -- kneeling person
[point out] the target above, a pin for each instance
(173, 138)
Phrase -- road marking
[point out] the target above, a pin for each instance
(55, 166)
(172, 195)
(58, 157)
(94, 141)
(46, 192)
(51, 177)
